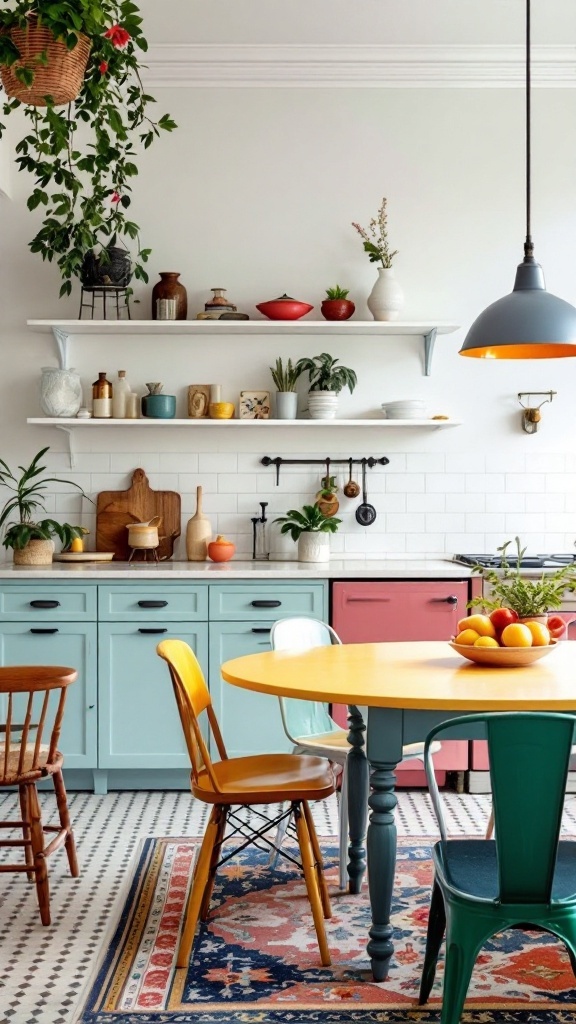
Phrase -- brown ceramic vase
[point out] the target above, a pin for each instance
(169, 287)
(337, 309)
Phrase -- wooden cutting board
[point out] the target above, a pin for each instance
(116, 509)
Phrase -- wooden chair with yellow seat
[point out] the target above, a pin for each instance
(243, 782)
(32, 697)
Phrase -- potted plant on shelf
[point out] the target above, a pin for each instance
(386, 298)
(310, 528)
(31, 539)
(337, 305)
(526, 598)
(285, 378)
(82, 156)
(326, 382)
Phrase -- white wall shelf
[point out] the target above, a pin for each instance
(65, 330)
(71, 425)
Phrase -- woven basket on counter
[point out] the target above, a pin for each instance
(61, 78)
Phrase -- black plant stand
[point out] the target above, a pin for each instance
(117, 297)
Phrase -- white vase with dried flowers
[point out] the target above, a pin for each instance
(386, 298)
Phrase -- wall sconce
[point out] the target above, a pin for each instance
(531, 415)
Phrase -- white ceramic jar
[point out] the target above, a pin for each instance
(322, 405)
(314, 546)
(386, 298)
(60, 392)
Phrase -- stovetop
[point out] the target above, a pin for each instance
(527, 562)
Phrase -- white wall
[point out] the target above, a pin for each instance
(256, 192)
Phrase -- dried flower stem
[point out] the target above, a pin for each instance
(376, 242)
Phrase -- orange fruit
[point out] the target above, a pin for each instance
(486, 641)
(516, 634)
(467, 637)
(540, 634)
(481, 624)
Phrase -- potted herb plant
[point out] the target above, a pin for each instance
(326, 382)
(29, 537)
(310, 528)
(529, 599)
(285, 378)
(82, 156)
(386, 298)
(337, 305)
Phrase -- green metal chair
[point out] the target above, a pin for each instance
(526, 876)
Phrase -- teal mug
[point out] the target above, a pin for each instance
(159, 407)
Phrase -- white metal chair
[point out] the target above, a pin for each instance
(310, 728)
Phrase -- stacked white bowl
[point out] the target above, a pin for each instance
(409, 409)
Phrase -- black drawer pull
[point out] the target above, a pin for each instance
(44, 604)
(452, 599)
(261, 629)
(153, 630)
(54, 630)
(152, 604)
(266, 604)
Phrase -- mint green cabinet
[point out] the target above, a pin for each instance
(138, 721)
(62, 643)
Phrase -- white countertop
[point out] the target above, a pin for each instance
(392, 568)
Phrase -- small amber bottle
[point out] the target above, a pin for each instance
(102, 398)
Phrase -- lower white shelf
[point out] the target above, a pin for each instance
(197, 424)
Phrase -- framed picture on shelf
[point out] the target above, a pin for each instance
(198, 401)
(254, 405)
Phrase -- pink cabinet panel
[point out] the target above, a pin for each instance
(403, 611)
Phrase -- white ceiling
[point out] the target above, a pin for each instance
(357, 21)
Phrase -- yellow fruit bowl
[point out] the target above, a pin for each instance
(503, 657)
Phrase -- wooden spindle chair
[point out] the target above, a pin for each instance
(32, 700)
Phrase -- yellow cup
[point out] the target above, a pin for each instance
(221, 410)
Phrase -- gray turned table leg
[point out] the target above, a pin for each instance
(358, 775)
(384, 753)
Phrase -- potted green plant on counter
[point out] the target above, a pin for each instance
(30, 537)
(327, 380)
(510, 588)
(337, 305)
(74, 69)
(310, 528)
(285, 378)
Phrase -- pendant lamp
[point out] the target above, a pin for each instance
(530, 323)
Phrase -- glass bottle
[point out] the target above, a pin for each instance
(260, 549)
(102, 398)
(120, 393)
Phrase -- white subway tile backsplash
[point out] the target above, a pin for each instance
(216, 462)
(127, 462)
(465, 502)
(445, 482)
(190, 481)
(484, 522)
(542, 502)
(407, 483)
(545, 462)
(426, 503)
(561, 483)
(431, 462)
(526, 522)
(467, 463)
(445, 523)
(431, 543)
(485, 483)
(409, 523)
(237, 483)
(528, 483)
(508, 502)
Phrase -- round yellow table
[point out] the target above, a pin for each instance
(408, 688)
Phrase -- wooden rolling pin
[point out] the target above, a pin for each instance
(198, 533)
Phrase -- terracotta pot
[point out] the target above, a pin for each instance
(221, 550)
(169, 287)
(337, 309)
(36, 552)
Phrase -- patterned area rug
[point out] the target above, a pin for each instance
(256, 960)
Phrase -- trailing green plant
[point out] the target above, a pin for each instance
(337, 292)
(510, 589)
(309, 520)
(375, 240)
(26, 501)
(285, 377)
(324, 375)
(82, 156)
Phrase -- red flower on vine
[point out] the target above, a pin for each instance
(103, 67)
(115, 197)
(118, 36)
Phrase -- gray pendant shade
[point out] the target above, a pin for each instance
(530, 323)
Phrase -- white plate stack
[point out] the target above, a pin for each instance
(409, 409)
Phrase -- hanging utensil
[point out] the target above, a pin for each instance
(351, 489)
(365, 513)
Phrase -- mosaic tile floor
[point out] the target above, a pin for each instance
(43, 971)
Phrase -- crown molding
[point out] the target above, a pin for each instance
(363, 66)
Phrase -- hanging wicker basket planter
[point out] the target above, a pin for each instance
(60, 79)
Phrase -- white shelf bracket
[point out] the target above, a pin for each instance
(429, 340)
(62, 339)
(71, 448)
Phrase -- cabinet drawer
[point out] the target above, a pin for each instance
(268, 601)
(150, 603)
(46, 601)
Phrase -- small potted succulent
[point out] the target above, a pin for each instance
(337, 305)
(30, 538)
(326, 382)
(310, 528)
(285, 378)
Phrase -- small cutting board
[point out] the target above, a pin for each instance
(116, 509)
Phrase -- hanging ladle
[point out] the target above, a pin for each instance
(351, 489)
(365, 513)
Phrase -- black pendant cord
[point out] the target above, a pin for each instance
(528, 245)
